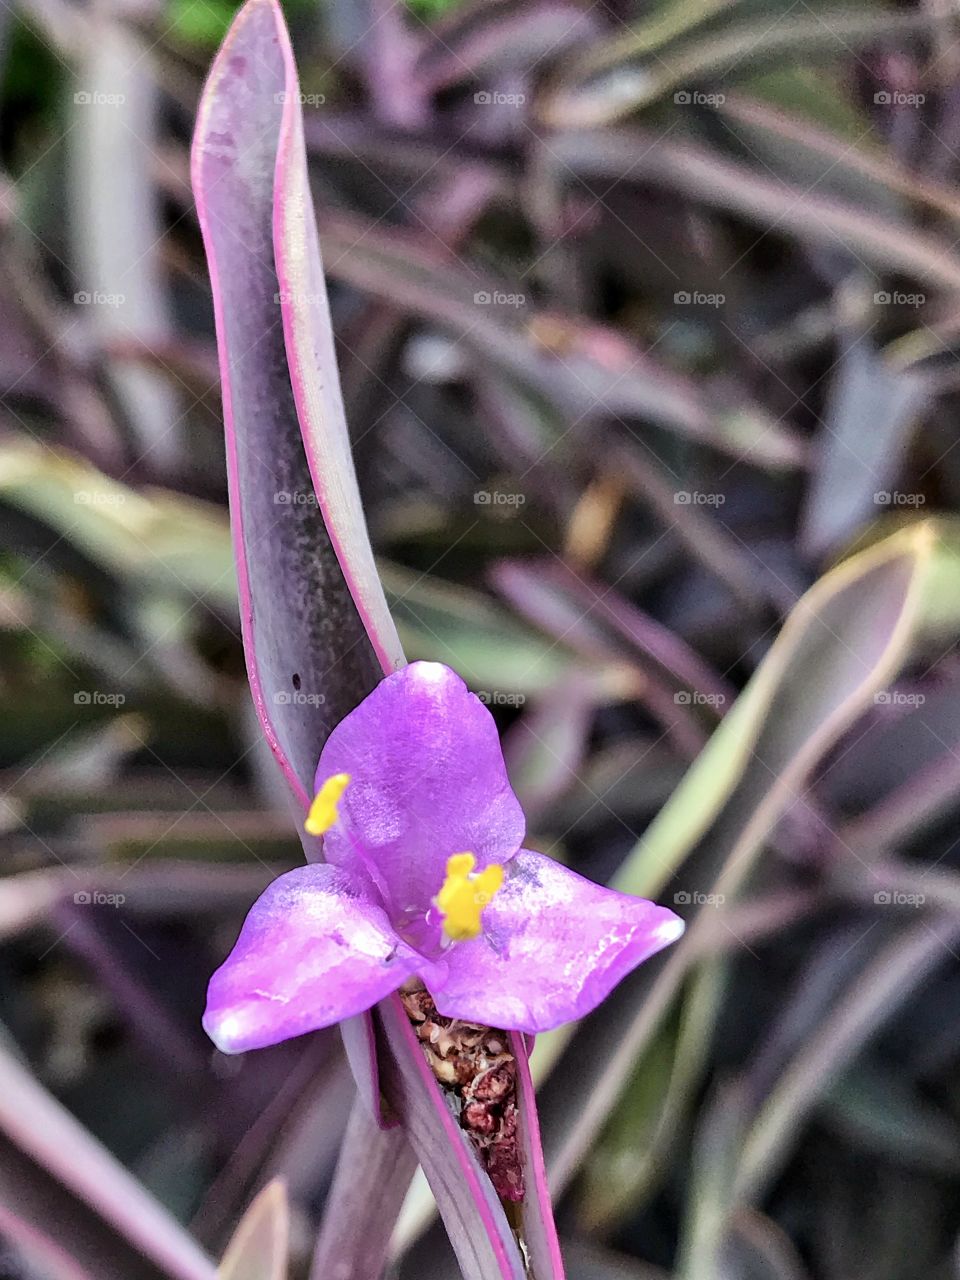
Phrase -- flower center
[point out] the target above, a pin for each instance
(463, 895)
(323, 812)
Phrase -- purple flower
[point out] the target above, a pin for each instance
(425, 878)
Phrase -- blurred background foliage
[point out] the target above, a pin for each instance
(647, 319)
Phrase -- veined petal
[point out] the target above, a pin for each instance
(427, 780)
(554, 945)
(314, 949)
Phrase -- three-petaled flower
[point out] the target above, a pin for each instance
(424, 877)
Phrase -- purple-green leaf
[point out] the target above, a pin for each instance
(260, 1246)
(311, 604)
(52, 1171)
(309, 655)
(312, 365)
(375, 1165)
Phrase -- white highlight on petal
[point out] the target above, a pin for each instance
(429, 672)
(228, 1032)
(670, 930)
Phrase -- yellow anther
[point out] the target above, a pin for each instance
(323, 812)
(463, 896)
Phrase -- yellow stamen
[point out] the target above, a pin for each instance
(463, 896)
(323, 812)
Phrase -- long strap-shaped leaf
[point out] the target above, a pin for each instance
(312, 365)
(369, 1156)
(309, 656)
(311, 603)
(482, 1240)
(844, 639)
(58, 1183)
(260, 1246)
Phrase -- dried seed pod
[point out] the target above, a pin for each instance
(494, 1084)
(479, 1079)
(478, 1117)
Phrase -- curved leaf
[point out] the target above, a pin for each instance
(371, 1159)
(310, 601)
(51, 1166)
(312, 365)
(309, 657)
(845, 638)
(260, 1247)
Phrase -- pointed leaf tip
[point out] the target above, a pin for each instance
(260, 1246)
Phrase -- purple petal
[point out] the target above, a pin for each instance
(427, 780)
(312, 950)
(553, 946)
